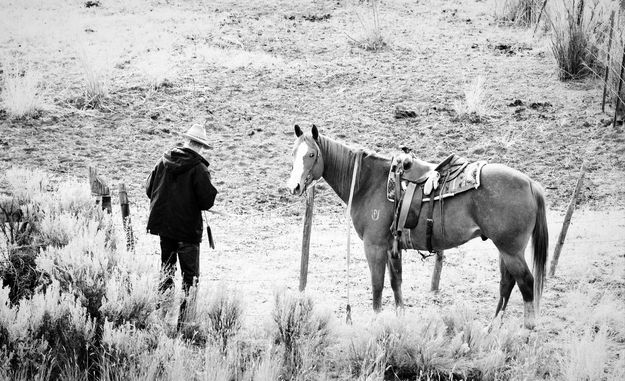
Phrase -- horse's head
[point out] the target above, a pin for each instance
(307, 161)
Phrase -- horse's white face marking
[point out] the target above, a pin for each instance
(375, 214)
(297, 173)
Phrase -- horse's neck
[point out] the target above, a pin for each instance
(338, 162)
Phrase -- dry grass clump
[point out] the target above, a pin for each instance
(474, 107)
(95, 82)
(578, 34)
(157, 69)
(21, 91)
(519, 12)
(586, 357)
(372, 37)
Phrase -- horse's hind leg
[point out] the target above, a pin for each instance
(506, 284)
(394, 270)
(376, 257)
(517, 267)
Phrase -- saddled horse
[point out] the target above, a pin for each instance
(507, 208)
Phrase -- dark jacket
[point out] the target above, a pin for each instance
(179, 188)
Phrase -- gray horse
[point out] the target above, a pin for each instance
(508, 208)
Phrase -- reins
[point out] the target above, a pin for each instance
(348, 220)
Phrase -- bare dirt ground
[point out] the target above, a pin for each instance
(254, 69)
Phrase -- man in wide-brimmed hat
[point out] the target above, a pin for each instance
(179, 188)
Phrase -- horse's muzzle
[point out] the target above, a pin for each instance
(296, 190)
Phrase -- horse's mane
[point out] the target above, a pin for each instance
(339, 160)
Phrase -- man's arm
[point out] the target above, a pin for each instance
(204, 189)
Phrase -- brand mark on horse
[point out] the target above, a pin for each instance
(375, 214)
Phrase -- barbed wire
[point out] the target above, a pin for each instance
(609, 67)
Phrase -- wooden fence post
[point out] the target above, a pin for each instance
(618, 92)
(607, 66)
(438, 268)
(567, 222)
(303, 273)
(125, 207)
(100, 189)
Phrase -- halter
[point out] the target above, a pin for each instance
(308, 180)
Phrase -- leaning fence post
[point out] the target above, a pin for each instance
(125, 207)
(618, 92)
(303, 272)
(607, 66)
(567, 221)
(438, 268)
(100, 190)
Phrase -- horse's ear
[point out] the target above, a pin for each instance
(298, 131)
(315, 132)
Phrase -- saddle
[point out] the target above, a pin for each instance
(414, 184)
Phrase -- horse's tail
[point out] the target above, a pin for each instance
(540, 241)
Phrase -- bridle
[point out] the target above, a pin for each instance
(309, 175)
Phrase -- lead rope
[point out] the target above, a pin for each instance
(348, 308)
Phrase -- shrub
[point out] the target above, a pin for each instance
(224, 314)
(26, 184)
(48, 324)
(302, 336)
(21, 93)
(130, 298)
(217, 319)
(20, 227)
(449, 344)
(84, 265)
(127, 351)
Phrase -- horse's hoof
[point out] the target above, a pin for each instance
(530, 325)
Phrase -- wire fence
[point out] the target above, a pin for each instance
(266, 239)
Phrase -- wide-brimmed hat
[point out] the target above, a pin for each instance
(197, 133)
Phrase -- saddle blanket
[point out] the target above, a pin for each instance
(466, 180)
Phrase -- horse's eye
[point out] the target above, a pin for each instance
(312, 154)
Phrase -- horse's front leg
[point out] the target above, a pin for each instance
(376, 257)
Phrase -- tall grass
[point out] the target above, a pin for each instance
(578, 34)
(95, 81)
(21, 91)
(519, 12)
(586, 357)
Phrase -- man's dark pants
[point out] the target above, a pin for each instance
(188, 254)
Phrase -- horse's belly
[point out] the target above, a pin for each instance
(456, 227)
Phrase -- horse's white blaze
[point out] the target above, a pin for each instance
(298, 167)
